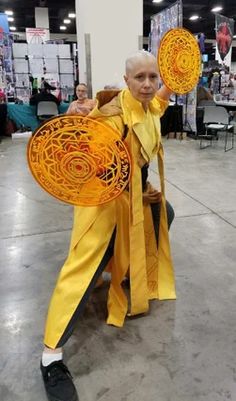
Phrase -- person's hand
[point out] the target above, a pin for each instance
(151, 195)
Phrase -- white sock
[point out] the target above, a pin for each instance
(48, 358)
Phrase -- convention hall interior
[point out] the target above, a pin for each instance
(55, 57)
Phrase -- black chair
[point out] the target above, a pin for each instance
(216, 120)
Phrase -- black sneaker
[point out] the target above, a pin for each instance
(58, 382)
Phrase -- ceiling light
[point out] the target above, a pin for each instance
(9, 12)
(234, 36)
(71, 15)
(10, 19)
(67, 21)
(194, 17)
(62, 28)
(156, 1)
(12, 28)
(216, 9)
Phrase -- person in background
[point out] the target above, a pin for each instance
(232, 85)
(214, 81)
(129, 233)
(203, 94)
(83, 105)
(42, 83)
(44, 95)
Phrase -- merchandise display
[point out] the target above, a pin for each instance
(38, 63)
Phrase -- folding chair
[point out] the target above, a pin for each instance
(46, 109)
(216, 119)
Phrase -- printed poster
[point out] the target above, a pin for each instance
(224, 38)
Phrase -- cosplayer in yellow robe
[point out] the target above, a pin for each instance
(135, 251)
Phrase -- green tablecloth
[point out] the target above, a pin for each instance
(25, 114)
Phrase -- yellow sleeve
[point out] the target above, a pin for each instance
(162, 105)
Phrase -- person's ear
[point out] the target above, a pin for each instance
(126, 79)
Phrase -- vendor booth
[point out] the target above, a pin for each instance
(24, 115)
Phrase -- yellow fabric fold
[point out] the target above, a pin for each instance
(77, 273)
(165, 266)
(117, 300)
(138, 273)
(151, 254)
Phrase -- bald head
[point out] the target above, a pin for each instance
(142, 56)
(141, 76)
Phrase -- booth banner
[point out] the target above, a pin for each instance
(4, 26)
(6, 63)
(224, 38)
(37, 35)
(190, 110)
(171, 17)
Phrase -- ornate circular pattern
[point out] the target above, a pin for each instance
(79, 160)
(179, 60)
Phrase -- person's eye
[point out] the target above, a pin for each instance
(139, 77)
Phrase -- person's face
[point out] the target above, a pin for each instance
(142, 80)
(81, 92)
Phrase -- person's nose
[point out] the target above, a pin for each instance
(147, 83)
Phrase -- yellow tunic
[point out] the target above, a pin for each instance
(151, 271)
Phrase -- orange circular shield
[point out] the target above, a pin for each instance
(79, 160)
(179, 60)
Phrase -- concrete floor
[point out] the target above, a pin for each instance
(183, 350)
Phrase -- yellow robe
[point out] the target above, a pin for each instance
(151, 271)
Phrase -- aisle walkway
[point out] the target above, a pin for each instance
(181, 351)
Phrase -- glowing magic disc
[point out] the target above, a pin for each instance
(79, 160)
(179, 60)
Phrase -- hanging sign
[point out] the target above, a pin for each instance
(37, 35)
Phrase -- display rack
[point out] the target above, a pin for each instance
(53, 62)
(6, 67)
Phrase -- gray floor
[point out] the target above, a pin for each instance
(180, 351)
